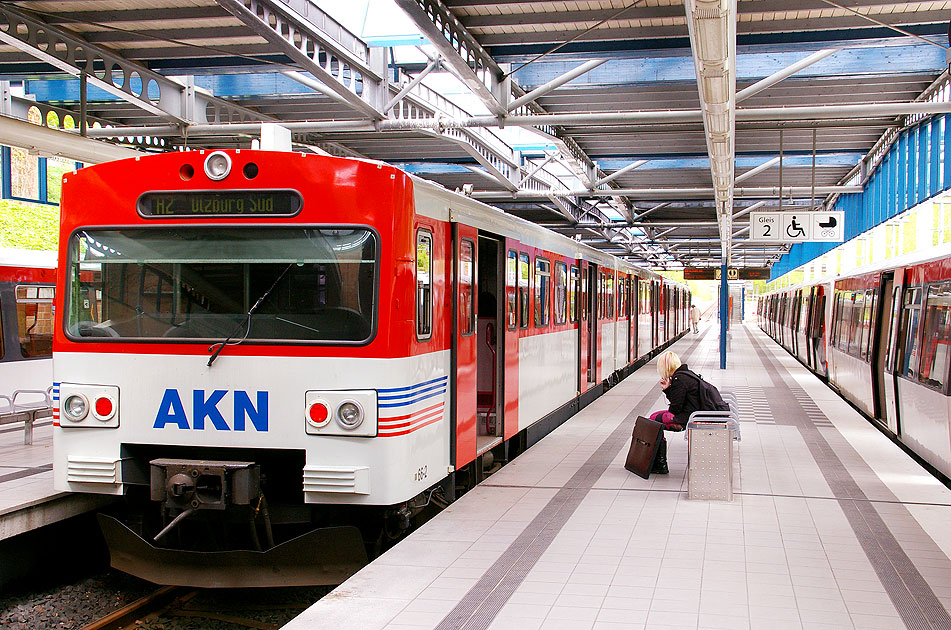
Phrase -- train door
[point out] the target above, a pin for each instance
(509, 363)
(631, 306)
(489, 347)
(591, 324)
(465, 340)
(884, 339)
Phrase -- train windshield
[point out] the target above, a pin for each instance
(180, 284)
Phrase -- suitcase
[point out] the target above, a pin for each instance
(644, 442)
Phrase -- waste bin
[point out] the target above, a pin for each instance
(710, 458)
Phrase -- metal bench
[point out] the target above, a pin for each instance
(15, 409)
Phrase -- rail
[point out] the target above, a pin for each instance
(12, 411)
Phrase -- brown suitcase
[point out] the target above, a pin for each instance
(644, 443)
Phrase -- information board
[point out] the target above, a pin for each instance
(797, 227)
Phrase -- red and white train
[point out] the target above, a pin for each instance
(882, 337)
(258, 342)
(26, 321)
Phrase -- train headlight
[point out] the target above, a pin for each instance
(76, 407)
(217, 166)
(350, 414)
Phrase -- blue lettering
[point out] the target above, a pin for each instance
(171, 410)
(208, 409)
(243, 409)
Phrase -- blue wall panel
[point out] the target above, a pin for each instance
(916, 167)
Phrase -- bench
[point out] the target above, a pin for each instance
(15, 409)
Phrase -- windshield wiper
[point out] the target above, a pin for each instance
(221, 346)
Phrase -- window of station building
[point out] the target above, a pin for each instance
(466, 288)
(524, 278)
(511, 290)
(909, 332)
(936, 348)
(35, 320)
(542, 290)
(573, 282)
(560, 306)
(424, 284)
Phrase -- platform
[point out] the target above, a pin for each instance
(27, 498)
(832, 525)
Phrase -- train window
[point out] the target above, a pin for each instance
(855, 338)
(621, 292)
(175, 284)
(935, 354)
(542, 288)
(838, 321)
(424, 284)
(466, 288)
(524, 273)
(511, 290)
(909, 332)
(573, 294)
(561, 292)
(609, 295)
(601, 284)
(867, 316)
(893, 330)
(35, 320)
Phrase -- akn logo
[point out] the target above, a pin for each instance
(172, 411)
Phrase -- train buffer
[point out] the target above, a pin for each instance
(26, 406)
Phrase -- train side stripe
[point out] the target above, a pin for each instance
(404, 389)
(410, 395)
(409, 415)
(410, 421)
(406, 431)
(406, 403)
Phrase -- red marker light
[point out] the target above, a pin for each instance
(104, 407)
(319, 413)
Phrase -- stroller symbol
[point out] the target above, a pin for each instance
(794, 229)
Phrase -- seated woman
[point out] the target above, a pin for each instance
(683, 394)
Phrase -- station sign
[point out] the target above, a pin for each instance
(732, 273)
(797, 227)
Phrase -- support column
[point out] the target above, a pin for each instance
(724, 313)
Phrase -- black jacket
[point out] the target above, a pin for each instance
(683, 393)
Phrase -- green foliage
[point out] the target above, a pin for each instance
(28, 225)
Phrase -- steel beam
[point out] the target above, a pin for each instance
(47, 142)
(463, 55)
(342, 62)
(555, 84)
(155, 93)
(788, 71)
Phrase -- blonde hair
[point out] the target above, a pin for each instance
(667, 364)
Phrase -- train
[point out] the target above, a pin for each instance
(261, 352)
(27, 287)
(881, 336)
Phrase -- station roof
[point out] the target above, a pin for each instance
(206, 73)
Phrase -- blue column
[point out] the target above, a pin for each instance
(724, 314)
(41, 176)
(5, 165)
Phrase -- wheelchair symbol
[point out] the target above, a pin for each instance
(794, 229)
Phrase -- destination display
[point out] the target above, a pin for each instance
(732, 273)
(219, 203)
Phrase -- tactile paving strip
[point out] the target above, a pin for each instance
(912, 596)
(479, 607)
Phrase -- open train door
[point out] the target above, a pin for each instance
(464, 340)
(885, 339)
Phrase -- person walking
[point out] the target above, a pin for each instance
(694, 318)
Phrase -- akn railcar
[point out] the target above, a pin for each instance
(882, 337)
(255, 344)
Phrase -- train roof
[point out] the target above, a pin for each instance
(445, 204)
(910, 259)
